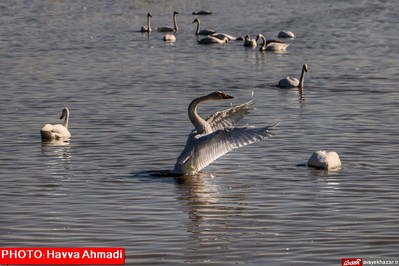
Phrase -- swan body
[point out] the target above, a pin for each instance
(57, 132)
(324, 160)
(212, 40)
(249, 42)
(289, 82)
(286, 34)
(271, 45)
(221, 36)
(147, 28)
(202, 32)
(169, 38)
(202, 12)
(170, 29)
(216, 135)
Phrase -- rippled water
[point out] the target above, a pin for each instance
(128, 94)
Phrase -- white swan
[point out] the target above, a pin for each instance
(324, 160)
(271, 45)
(289, 82)
(212, 40)
(170, 29)
(221, 36)
(286, 34)
(216, 135)
(202, 32)
(169, 38)
(57, 132)
(147, 28)
(249, 42)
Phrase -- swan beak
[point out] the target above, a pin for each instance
(226, 96)
(62, 116)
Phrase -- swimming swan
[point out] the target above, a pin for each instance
(213, 40)
(271, 45)
(216, 135)
(202, 12)
(147, 28)
(289, 82)
(170, 29)
(249, 42)
(57, 132)
(202, 32)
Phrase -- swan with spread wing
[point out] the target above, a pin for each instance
(216, 135)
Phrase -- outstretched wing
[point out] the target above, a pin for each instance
(227, 118)
(210, 147)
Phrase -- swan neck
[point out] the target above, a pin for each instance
(175, 22)
(66, 120)
(149, 22)
(301, 79)
(201, 126)
(198, 27)
(263, 42)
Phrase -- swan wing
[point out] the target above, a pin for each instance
(210, 147)
(227, 118)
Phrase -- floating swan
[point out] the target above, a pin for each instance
(249, 42)
(202, 12)
(271, 45)
(147, 28)
(286, 34)
(57, 132)
(169, 38)
(202, 32)
(221, 36)
(289, 82)
(213, 40)
(170, 29)
(324, 160)
(216, 135)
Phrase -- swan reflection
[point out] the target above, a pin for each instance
(56, 156)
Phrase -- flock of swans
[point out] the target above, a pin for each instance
(216, 135)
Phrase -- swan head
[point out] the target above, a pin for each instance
(196, 20)
(65, 113)
(149, 15)
(305, 67)
(175, 13)
(218, 95)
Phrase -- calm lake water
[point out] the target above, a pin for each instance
(128, 94)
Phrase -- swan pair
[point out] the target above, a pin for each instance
(57, 132)
(147, 28)
(215, 136)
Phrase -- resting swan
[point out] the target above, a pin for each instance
(169, 38)
(147, 28)
(271, 45)
(221, 36)
(170, 29)
(57, 132)
(289, 82)
(286, 34)
(216, 135)
(202, 32)
(213, 40)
